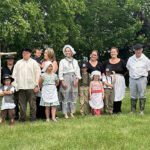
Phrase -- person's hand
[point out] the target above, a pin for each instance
(64, 84)
(76, 83)
(90, 97)
(102, 96)
(79, 94)
(113, 72)
(3, 93)
(36, 89)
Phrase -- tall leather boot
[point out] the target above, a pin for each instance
(142, 105)
(133, 105)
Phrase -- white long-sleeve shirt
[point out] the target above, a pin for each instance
(138, 67)
(26, 74)
(66, 66)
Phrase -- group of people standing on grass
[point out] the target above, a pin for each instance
(98, 85)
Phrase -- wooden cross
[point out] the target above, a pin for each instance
(2, 54)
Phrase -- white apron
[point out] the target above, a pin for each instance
(49, 94)
(96, 102)
(119, 88)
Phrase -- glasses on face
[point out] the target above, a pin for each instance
(94, 55)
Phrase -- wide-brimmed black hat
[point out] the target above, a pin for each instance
(138, 46)
(10, 57)
(27, 50)
(7, 76)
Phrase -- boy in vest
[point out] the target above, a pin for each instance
(8, 105)
(84, 91)
(109, 81)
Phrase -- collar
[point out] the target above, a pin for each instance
(140, 58)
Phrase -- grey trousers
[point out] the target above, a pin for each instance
(138, 87)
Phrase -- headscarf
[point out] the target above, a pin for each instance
(95, 73)
(47, 63)
(71, 48)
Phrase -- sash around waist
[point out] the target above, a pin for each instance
(97, 91)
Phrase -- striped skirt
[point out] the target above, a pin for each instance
(68, 96)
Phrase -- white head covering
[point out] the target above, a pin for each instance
(47, 65)
(71, 48)
(95, 73)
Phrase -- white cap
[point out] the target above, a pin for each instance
(71, 48)
(98, 73)
(47, 65)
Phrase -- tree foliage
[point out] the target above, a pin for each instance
(85, 24)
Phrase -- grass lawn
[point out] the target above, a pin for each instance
(117, 132)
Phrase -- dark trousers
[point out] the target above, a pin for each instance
(40, 112)
(17, 105)
(117, 107)
(24, 97)
(8, 113)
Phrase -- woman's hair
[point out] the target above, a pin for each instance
(51, 54)
(115, 49)
(95, 51)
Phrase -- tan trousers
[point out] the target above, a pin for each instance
(84, 100)
(108, 101)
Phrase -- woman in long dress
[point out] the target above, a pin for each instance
(69, 75)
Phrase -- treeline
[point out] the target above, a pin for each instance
(85, 24)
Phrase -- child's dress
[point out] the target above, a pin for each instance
(8, 104)
(49, 96)
(96, 103)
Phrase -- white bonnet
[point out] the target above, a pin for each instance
(71, 48)
(47, 63)
(95, 73)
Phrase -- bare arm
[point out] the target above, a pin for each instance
(90, 91)
(114, 77)
(55, 66)
(8, 92)
(40, 82)
(108, 84)
(57, 82)
(102, 90)
(2, 94)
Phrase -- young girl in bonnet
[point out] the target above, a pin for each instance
(96, 93)
(48, 82)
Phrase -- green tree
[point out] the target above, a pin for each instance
(21, 25)
(110, 23)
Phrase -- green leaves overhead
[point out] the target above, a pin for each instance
(85, 24)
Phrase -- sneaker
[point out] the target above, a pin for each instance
(47, 120)
(54, 120)
(142, 113)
